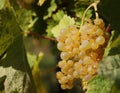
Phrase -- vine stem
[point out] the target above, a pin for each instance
(95, 8)
(40, 36)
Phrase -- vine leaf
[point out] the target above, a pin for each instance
(64, 22)
(54, 21)
(24, 16)
(51, 9)
(14, 64)
(99, 84)
(41, 2)
(2, 79)
(6, 29)
(2, 3)
(110, 67)
(31, 59)
(113, 46)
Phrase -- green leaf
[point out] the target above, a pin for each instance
(16, 69)
(2, 3)
(31, 58)
(115, 88)
(64, 22)
(2, 79)
(54, 21)
(14, 65)
(51, 9)
(99, 84)
(41, 2)
(113, 47)
(58, 16)
(110, 67)
(24, 16)
(25, 19)
(7, 32)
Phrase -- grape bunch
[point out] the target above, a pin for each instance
(81, 51)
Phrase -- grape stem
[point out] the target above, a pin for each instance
(40, 36)
(95, 8)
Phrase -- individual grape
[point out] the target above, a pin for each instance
(99, 32)
(60, 46)
(68, 47)
(65, 69)
(99, 22)
(100, 40)
(64, 80)
(85, 45)
(62, 63)
(64, 86)
(87, 60)
(65, 55)
(81, 54)
(68, 41)
(75, 50)
(77, 65)
(59, 75)
(70, 63)
(70, 71)
(70, 85)
(76, 74)
(94, 46)
(69, 77)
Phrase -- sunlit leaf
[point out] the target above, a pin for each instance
(41, 2)
(110, 67)
(51, 23)
(31, 58)
(99, 84)
(51, 9)
(2, 3)
(64, 22)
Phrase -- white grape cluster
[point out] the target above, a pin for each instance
(81, 50)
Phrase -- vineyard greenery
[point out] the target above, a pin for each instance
(59, 46)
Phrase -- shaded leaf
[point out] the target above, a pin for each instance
(17, 70)
(115, 88)
(2, 79)
(7, 32)
(14, 65)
